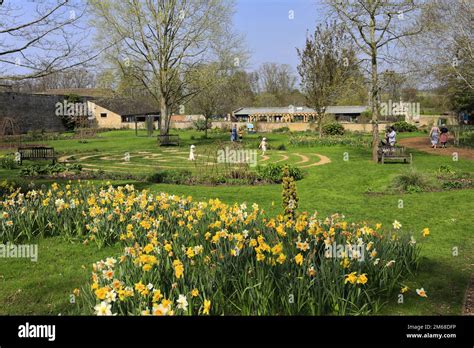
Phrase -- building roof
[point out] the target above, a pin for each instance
(81, 92)
(299, 109)
(127, 107)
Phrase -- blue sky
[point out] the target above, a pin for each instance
(271, 36)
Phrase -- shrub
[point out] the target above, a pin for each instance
(202, 125)
(273, 172)
(403, 126)
(446, 170)
(346, 140)
(333, 129)
(171, 176)
(49, 169)
(281, 130)
(411, 181)
(281, 147)
(289, 196)
(8, 162)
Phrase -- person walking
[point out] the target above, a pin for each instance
(434, 136)
(444, 136)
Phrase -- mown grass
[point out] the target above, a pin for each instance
(340, 187)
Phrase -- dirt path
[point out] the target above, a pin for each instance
(323, 160)
(423, 144)
(469, 299)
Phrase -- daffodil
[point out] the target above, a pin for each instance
(351, 278)
(421, 292)
(362, 279)
(299, 259)
(182, 302)
(396, 225)
(103, 309)
(207, 307)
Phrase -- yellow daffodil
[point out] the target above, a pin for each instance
(207, 307)
(351, 278)
(299, 259)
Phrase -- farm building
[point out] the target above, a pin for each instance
(119, 113)
(296, 114)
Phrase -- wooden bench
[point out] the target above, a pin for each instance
(394, 153)
(168, 139)
(34, 153)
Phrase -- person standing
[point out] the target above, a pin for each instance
(444, 136)
(234, 134)
(434, 136)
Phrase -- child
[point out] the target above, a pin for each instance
(263, 146)
(444, 136)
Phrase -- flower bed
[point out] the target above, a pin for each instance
(346, 140)
(189, 258)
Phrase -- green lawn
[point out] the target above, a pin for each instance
(341, 186)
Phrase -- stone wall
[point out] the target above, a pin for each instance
(430, 120)
(31, 112)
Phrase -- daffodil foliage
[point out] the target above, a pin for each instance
(182, 257)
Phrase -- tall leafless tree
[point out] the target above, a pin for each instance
(376, 27)
(41, 38)
(160, 42)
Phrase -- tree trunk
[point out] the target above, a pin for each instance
(374, 93)
(164, 124)
(320, 126)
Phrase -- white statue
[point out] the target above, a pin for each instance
(263, 146)
(191, 153)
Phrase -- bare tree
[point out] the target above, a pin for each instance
(447, 44)
(326, 64)
(210, 80)
(376, 27)
(45, 41)
(276, 79)
(161, 42)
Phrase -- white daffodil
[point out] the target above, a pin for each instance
(111, 296)
(182, 302)
(396, 225)
(103, 309)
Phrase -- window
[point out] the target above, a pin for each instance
(103, 115)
